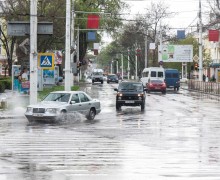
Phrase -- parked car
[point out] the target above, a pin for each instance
(130, 94)
(56, 106)
(156, 85)
(112, 78)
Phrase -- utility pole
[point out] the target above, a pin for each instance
(67, 47)
(200, 43)
(78, 53)
(160, 54)
(111, 67)
(128, 64)
(122, 67)
(33, 52)
(136, 51)
(146, 49)
(72, 46)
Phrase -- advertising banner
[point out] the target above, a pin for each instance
(176, 53)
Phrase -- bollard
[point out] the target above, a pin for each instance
(3, 103)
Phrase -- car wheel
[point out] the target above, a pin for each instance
(63, 115)
(163, 92)
(118, 107)
(101, 82)
(142, 106)
(92, 81)
(91, 114)
(30, 120)
(177, 88)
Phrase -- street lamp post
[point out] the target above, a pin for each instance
(200, 43)
(128, 64)
(122, 67)
(136, 63)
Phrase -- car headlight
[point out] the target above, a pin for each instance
(140, 95)
(120, 94)
(29, 109)
(51, 110)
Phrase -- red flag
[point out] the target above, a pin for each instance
(93, 22)
(213, 35)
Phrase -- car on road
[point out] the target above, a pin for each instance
(112, 78)
(172, 79)
(97, 76)
(58, 104)
(156, 85)
(130, 94)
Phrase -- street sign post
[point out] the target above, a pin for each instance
(46, 60)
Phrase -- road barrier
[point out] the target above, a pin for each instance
(212, 88)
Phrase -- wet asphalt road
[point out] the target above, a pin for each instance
(177, 137)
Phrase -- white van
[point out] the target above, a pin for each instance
(152, 73)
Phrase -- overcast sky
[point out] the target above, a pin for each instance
(186, 11)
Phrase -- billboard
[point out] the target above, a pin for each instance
(176, 53)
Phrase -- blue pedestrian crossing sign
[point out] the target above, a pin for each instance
(46, 60)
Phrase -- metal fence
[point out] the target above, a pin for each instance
(212, 88)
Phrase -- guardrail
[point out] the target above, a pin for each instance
(212, 88)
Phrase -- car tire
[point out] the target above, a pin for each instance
(177, 88)
(143, 106)
(30, 120)
(92, 81)
(163, 92)
(63, 115)
(91, 115)
(101, 82)
(118, 107)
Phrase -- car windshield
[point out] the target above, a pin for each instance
(97, 73)
(130, 87)
(61, 97)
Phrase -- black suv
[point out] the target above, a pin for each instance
(130, 94)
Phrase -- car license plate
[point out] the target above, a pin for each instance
(38, 114)
(157, 87)
(129, 101)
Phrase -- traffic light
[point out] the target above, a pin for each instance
(196, 66)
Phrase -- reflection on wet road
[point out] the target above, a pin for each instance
(176, 137)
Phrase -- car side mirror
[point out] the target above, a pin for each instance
(115, 89)
(72, 102)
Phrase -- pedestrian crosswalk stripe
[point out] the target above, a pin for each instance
(46, 62)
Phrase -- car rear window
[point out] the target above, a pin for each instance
(156, 81)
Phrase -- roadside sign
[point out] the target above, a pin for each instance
(46, 60)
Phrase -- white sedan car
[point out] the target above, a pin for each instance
(56, 105)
